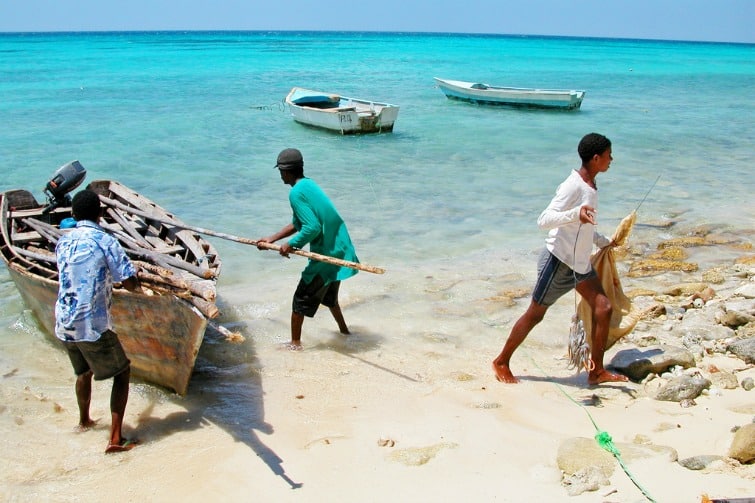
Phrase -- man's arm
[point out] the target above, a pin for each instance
(131, 283)
(285, 232)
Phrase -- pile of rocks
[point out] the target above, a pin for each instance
(684, 327)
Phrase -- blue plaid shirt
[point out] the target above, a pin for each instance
(89, 262)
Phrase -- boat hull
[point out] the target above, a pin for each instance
(511, 96)
(161, 335)
(341, 114)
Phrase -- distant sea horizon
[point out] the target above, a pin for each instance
(381, 33)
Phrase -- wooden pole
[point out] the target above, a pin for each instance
(260, 244)
(163, 260)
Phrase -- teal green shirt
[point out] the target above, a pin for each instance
(318, 224)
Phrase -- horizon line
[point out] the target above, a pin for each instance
(480, 34)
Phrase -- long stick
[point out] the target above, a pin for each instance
(260, 244)
(163, 260)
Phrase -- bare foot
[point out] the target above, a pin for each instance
(292, 346)
(602, 375)
(503, 374)
(125, 445)
(85, 426)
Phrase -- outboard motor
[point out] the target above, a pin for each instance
(65, 179)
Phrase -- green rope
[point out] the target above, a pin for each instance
(606, 442)
(603, 439)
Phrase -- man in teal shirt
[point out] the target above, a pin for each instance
(315, 222)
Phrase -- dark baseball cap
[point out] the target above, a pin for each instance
(289, 158)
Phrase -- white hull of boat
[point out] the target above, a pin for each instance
(484, 94)
(342, 114)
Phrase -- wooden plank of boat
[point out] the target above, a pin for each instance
(339, 113)
(485, 94)
(161, 327)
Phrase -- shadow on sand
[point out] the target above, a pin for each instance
(226, 391)
(360, 340)
(578, 382)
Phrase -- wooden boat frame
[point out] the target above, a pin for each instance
(161, 327)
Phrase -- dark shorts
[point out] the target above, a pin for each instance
(309, 296)
(104, 357)
(554, 279)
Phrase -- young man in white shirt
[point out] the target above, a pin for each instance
(565, 261)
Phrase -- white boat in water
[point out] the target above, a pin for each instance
(485, 94)
(339, 113)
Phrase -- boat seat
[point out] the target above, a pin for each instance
(37, 211)
(166, 250)
(22, 238)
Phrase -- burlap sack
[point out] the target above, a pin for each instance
(623, 319)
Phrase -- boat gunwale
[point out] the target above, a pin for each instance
(451, 83)
(342, 98)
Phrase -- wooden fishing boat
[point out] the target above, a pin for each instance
(339, 113)
(160, 327)
(485, 94)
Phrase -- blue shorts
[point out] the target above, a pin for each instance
(554, 279)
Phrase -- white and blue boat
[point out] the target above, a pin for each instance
(339, 113)
(485, 94)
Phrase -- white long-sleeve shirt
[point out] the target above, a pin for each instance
(568, 239)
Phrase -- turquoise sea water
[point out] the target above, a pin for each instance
(194, 121)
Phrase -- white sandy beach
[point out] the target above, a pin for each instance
(375, 416)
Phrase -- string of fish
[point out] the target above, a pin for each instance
(579, 350)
